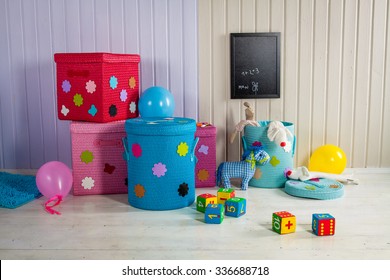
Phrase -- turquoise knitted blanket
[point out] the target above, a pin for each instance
(16, 190)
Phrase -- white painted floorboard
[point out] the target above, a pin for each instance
(107, 227)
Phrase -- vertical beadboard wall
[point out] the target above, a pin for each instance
(163, 32)
(335, 73)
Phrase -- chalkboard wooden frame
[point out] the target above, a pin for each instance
(255, 65)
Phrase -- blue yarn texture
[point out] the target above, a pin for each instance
(17, 190)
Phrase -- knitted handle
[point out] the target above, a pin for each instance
(78, 73)
(126, 153)
(107, 143)
(193, 156)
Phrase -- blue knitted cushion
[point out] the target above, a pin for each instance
(16, 190)
(315, 188)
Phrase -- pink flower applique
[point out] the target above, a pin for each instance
(159, 169)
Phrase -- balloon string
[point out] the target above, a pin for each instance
(57, 200)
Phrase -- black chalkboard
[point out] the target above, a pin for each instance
(255, 65)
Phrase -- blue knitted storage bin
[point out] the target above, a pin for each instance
(272, 174)
(161, 162)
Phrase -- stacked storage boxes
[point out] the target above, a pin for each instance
(206, 155)
(97, 91)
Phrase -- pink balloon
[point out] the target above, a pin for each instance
(54, 178)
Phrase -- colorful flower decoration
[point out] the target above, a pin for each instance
(258, 174)
(113, 82)
(183, 189)
(139, 191)
(182, 149)
(333, 187)
(88, 183)
(78, 100)
(64, 110)
(310, 188)
(126, 181)
(109, 168)
(132, 107)
(86, 156)
(66, 86)
(274, 161)
(204, 149)
(90, 86)
(112, 110)
(159, 169)
(136, 150)
(132, 82)
(93, 110)
(123, 95)
(203, 175)
(256, 144)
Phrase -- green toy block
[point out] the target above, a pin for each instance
(203, 200)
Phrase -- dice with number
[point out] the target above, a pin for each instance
(235, 207)
(203, 200)
(323, 224)
(214, 214)
(283, 222)
(224, 194)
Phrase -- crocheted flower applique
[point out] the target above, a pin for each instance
(123, 95)
(64, 110)
(78, 100)
(159, 169)
(274, 161)
(93, 110)
(113, 82)
(88, 183)
(86, 156)
(203, 175)
(112, 110)
(139, 191)
(204, 149)
(183, 189)
(182, 149)
(136, 150)
(132, 107)
(132, 82)
(66, 86)
(109, 168)
(90, 86)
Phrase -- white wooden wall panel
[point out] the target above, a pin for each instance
(163, 32)
(334, 73)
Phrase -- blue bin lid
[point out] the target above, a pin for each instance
(160, 126)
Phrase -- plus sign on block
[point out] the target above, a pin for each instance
(283, 222)
(323, 224)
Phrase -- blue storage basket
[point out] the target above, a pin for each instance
(161, 162)
(271, 175)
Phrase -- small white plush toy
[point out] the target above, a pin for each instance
(279, 134)
(303, 174)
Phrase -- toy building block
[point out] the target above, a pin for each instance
(283, 222)
(224, 194)
(235, 207)
(323, 224)
(203, 200)
(214, 214)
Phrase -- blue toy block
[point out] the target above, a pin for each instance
(214, 214)
(235, 207)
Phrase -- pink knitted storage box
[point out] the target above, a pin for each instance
(97, 87)
(97, 158)
(206, 155)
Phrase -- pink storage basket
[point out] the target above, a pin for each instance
(206, 155)
(97, 158)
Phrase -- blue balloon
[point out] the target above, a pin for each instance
(156, 102)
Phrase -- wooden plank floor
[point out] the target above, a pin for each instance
(107, 227)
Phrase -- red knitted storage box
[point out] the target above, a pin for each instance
(97, 87)
(97, 158)
(206, 155)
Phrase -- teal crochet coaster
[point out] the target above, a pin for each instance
(321, 188)
(16, 190)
